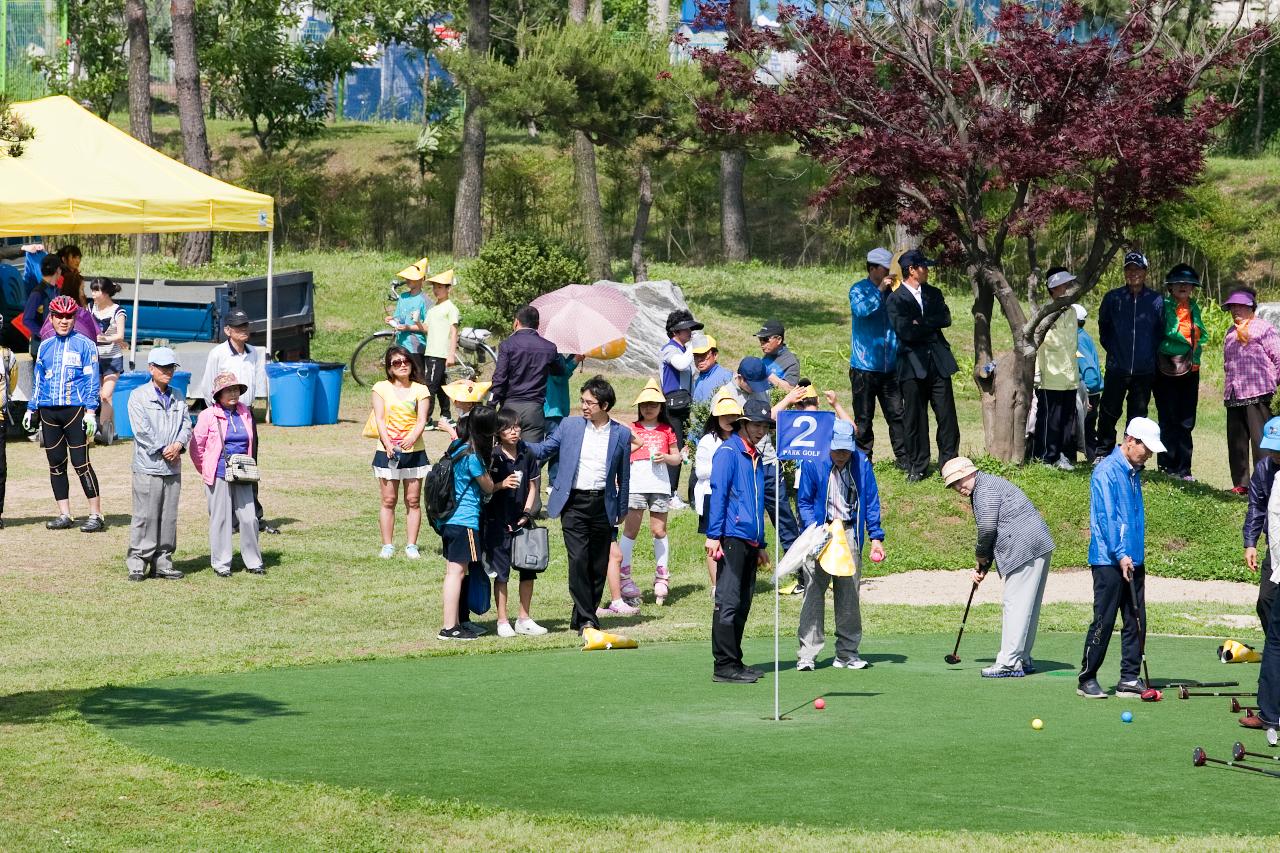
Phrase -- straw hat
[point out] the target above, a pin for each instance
(415, 272)
(224, 380)
(467, 390)
(725, 405)
(652, 393)
(957, 469)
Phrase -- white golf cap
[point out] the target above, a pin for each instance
(1060, 278)
(880, 256)
(1147, 431)
(1082, 313)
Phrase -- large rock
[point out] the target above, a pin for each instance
(654, 300)
(1270, 311)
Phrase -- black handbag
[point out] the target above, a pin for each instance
(530, 549)
(679, 402)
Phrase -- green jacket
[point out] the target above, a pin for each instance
(1173, 343)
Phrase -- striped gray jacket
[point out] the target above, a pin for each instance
(1010, 529)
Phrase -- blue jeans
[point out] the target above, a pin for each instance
(785, 523)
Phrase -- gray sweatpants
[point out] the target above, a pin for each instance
(227, 500)
(1023, 592)
(812, 630)
(153, 533)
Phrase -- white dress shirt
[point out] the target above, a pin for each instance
(593, 461)
(248, 366)
(915, 291)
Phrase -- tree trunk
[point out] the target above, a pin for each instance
(733, 208)
(198, 248)
(1005, 389)
(135, 14)
(468, 227)
(1262, 101)
(659, 16)
(584, 172)
(639, 266)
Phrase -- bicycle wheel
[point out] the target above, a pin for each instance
(476, 364)
(366, 361)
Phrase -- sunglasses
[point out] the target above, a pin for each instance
(57, 316)
(399, 362)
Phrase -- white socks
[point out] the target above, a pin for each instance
(660, 552)
(626, 546)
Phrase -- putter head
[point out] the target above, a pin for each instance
(1183, 694)
(1152, 695)
(1237, 751)
(952, 660)
(1235, 706)
(1197, 757)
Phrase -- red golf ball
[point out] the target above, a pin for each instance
(877, 557)
(819, 703)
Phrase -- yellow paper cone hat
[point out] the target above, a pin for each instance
(651, 393)
(415, 272)
(836, 559)
(466, 390)
(445, 277)
(595, 640)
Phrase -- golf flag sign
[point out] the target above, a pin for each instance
(805, 435)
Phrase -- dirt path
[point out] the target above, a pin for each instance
(1071, 585)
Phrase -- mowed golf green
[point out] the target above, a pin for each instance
(909, 744)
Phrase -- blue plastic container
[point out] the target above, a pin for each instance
(126, 385)
(293, 392)
(328, 392)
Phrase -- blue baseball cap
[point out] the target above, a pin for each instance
(754, 373)
(842, 436)
(162, 357)
(914, 258)
(1270, 435)
(1136, 259)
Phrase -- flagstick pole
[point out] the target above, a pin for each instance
(777, 598)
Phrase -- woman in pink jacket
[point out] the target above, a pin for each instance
(222, 431)
(1251, 370)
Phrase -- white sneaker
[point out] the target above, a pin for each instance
(854, 662)
(1063, 465)
(677, 503)
(529, 628)
(387, 552)
(475, 629)
(411, 551)
(505, 630)
(803, 665)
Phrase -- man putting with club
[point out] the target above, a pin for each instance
(1012, 533)
(1117, 543)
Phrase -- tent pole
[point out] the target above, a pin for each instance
(137, 286)
(271, 287)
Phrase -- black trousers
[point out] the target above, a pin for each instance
(869, 386)
(735, 584)
(678, 423)
(917, 395)
(433, 377)
(1269, 675)
(587, 537)
(62, 428)
(1244, 432)
(1091, 426)
(1116, 387)
(4, 462)
(1055, 424)
(1111, 594)
(1176, 400)
(1266, 591)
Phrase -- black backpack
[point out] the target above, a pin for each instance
(439, 498)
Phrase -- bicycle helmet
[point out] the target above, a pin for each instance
(63, 305)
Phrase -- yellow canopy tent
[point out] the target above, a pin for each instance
(82, 175)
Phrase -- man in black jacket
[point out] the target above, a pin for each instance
(918, 313)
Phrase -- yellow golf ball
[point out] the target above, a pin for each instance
(1037, 724)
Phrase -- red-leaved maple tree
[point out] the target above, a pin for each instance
(973, 133)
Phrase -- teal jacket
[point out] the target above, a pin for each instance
(1172, 342)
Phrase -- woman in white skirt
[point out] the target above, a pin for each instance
(399, 416)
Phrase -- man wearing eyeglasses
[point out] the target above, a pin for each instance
(782, 364)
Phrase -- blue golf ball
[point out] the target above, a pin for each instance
(1126, 717)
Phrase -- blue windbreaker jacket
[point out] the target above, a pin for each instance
(66, 373)
(1087, 360)
(811, 500)
(873, 346)
(1117, 526)
(736, 505)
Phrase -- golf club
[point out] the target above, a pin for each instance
(1236, 707)
(1184, 693)
(1199, 759)
(1238, 752)
(1201, 684)
(1149, 693)
(954, 657)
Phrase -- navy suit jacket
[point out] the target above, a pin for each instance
(566, 442)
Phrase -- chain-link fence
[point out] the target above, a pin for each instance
(28, 29)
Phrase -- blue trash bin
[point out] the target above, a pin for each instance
(128, 383)
(293, 392)
(328, 392)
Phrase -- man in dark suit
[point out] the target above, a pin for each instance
(589, 493)
(918, 313)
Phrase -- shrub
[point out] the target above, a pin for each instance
(513, 271)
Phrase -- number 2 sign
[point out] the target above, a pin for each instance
(805, 435)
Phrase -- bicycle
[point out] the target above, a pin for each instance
(475, 357)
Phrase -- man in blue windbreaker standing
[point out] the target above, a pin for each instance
(1130, 326)
(1117, 542)
(735, 538)
(873, 358)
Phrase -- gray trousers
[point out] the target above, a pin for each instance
(228, 500)
(812, 630)
(153, 533)
(1023, 592)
